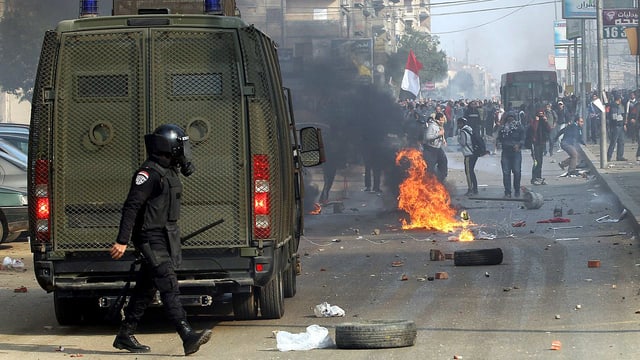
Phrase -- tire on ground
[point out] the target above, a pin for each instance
(376, 334)
(477, 257)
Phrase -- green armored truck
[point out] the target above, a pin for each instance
(103, 82)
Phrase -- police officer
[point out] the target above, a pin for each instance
(149, 217)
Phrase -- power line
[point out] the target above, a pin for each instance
(516, 9)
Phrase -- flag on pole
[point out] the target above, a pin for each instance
(411, 81)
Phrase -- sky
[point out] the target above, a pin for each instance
(500, 35)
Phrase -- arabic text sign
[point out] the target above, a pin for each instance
(579, 9)
(614, 32)
(620, 17)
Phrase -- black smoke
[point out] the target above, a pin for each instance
(359, 121)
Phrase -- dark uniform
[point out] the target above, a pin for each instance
(149, 217)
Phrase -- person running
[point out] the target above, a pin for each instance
(571, 138)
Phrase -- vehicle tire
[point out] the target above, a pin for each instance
(290, 277)
(69, 311)
(376, 334)
(245, 306)
(4, 228)
(272, 298)
(477, 257)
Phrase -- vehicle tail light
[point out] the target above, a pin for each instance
(261, 197)
(41, 208)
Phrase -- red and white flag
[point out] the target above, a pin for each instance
(411, 81)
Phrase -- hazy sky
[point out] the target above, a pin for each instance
(501, 35)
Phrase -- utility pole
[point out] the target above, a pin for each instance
(603, 116)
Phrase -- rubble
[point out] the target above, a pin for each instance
(593, 263)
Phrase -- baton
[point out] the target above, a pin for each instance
(201, 230)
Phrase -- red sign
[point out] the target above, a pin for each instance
(620, 17)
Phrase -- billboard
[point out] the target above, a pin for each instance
(579, 9)
(620, 17)
(560, 34)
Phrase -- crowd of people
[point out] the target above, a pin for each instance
(543, 129)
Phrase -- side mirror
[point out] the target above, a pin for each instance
(311, 147)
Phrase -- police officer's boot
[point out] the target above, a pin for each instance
(126, 341)
(191, 339)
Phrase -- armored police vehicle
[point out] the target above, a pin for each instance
(103, 82)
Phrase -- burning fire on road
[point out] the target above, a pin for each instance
(425, 199)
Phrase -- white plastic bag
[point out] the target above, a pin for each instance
(10, 263)
(327, 310)
(316, 337)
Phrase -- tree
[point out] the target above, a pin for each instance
(425, 47)
(21, 32)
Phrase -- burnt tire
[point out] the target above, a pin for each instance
(376, 334)
(477, 257)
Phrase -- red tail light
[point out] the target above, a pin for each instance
(41, 204)
(261, 197)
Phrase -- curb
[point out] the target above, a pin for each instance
(626, 201)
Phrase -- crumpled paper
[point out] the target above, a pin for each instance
(327, 310)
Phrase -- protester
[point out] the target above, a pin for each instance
(571, 137)
(593, 123)
(434, 141)
(631, 117)
(470, 159)
(617, 128)
(552, 119)
(511, 138)
(538, 136)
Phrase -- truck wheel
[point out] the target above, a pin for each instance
(68, 310)
(245, 306)
(477, 257)
(272, 298)
(376, 334)
(290, 275)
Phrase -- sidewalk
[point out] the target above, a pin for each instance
(622, 178)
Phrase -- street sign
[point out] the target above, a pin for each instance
(613, 32)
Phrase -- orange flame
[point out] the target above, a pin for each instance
(425, 199)
(316, 209)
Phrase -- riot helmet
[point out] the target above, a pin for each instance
(171, 141)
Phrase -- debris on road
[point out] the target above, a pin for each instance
(556, 345)
(397, 263)
(316, 337)
(485, 236)
(327, 310)
(21, 289)
(554, 220)
(473, 257)
(404, 277)
(442, 275)
(593, 263)
(436, 255)
(608, 219)
(520, 223)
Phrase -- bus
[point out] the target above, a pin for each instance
(531, 89)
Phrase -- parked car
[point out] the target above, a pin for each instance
(16, 134)
(14, 142)
(14, 219)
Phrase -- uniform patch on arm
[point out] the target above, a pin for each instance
(141, 177)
